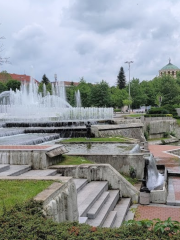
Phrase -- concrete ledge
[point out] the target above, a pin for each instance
(39, 157)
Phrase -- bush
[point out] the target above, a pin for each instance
(26, 221)
(159, 110)
(158, 115)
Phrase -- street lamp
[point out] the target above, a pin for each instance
(129, 62)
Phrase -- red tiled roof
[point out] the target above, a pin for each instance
(22, 78)
(67, 83)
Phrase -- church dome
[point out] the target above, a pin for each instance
(170, 66)
(170, 69)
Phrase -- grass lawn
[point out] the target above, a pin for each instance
(107, 139)
(73, 160)
(19, 191)
(134, 115)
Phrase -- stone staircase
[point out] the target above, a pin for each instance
(99, 206)
(24, 170)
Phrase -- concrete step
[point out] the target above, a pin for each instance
(121, 208)
(89, 195)
(108, 206)
(92, 213)
(80, 183)
(131, 212)
(110, 219)
(40, 173)
(4, 167)
(16, 170)
(83, 220)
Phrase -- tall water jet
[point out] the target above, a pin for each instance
(28, 104)
(78, 98)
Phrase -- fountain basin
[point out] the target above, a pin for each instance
(116, 154)
(160, 195)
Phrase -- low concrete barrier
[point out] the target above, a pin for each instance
(101, 172)
(39, 157)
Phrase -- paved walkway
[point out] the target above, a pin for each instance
(162, 211)
(157, 211)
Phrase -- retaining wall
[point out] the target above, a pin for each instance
(122, 163)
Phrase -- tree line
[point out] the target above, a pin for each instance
(159, 91)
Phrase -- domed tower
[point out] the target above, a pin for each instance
(169, 69)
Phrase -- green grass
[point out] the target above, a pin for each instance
(107, 139)
(157, 139)
(73, 160)
(134, 115)
(133, 181)
(178, 121)
(19, 191)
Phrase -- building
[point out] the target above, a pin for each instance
(21, 78)
(169, 69)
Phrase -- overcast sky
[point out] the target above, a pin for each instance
(89, 38)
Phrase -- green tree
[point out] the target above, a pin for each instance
(5, 77)
(85, 91)
(48, 88)
(139, 98)
(121, 79)
(101, 94)
(117, 97)
(13, 84)
(2, 87)
(70, 94)
(45, 80)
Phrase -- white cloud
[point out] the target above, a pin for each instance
(90, 38)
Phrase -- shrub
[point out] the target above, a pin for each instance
(165, 134)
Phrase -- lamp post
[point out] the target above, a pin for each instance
(129, 62)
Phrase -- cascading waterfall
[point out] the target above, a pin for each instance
(28, 104)
(155, 179)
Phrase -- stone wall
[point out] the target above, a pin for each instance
(122, 163)
(158, 127)
(60, 201)
(101, 172)
(125, 130)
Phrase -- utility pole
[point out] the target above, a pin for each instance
(129, 63)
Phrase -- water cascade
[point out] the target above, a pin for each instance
(155, 179)
(28, 103)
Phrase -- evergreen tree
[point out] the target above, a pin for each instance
(121, 79)
(45, 80)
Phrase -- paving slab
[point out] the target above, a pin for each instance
(160, 211)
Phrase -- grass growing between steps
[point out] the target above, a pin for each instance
(107, 139)
(73, 160)
(19, 191)
(27, 221)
